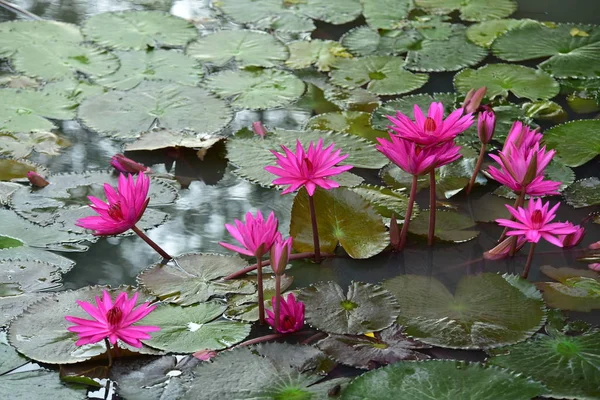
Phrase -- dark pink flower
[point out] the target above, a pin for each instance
(535, 222)
(255, 235)
(291, 315)
(124, 209)
(309, 169)
(112, 321)
(127, 165)
(433, 129)
(280, 254)
(522, 137)
(486, 124)
(36, 179)
(572, 239)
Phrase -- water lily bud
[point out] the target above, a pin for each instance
(280, 254)
(502, 250)
(473, 99)
(127, 165)
(259, 129)
(486, 124)
(36, 179)
(594, 267)
(205, 355)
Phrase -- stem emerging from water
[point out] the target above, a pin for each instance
(432, 207)
(108, 352)
(276, 306)
(409, 210)
(529, 259)
(296, 256)
(261, 294)
(477, 168)
(315, 229)
(151, 243)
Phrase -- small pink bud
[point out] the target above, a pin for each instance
(127, 165)
(573, 239)
(502, 250)
(205, 355)
(595, 245)
(594, 267)
(486, 124)
(36, 179)
(473, 99)
(280, 254)
(259, 129)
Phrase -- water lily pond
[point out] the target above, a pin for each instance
(374, 267)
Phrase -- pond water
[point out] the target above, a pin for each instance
(211, 195)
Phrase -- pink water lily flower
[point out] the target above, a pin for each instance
(127, 165)
(112, 321)
(572, 239)
(522, 137)
(124, 208)
(433, 129)
(255, 235)
(535, 223)
(291, 317)
(280, 254)
(310, 168)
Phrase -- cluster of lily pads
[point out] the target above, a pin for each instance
(156, 81)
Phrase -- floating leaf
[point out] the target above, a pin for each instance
(406, 104)
(386, 347)
(198, 280)
(452, 178)
(194, 328)
(382, 75)
(567, 365)
(396, 178)
(127, 114)
(365, 308)
(545, 110)
(583, 193)
(41, 334)
(356, 99)
(16, 169)
(570, 56)
(353, 122)
(385, 201)
(31, 276)
(484, 33)
(343, 217)
(160, 138)
(73, 89)
(40, 384)
(386, 14)
(335, 12)
(258, 89)
(138, 30)
(27, 110)
(322, 53)
(156, 65)
(6, 189)
(442, 379)
(25, 35)
(486, 311)
(302, 357)
(366, 41)
(22, 144)
(11, 306)
(578, 290)
(32, 254)
(471, 10)
(449, 226)
(245, 47)
(575, 142)
(501, 78)
(9, 358)
(266, 14)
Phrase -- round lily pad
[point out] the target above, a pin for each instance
(333, 11)
(322, 53)
(29, 275)
(20, 144)
(138, 30)
(365, 308)
(396, 178)
(501, 78)
(484, 33)
(406, 104)
(194, 328)
(486, 311)
(33, 254)
(356, 99)
(386, 14)
(572, 48)
(575, 292)
(366, 41)
(443, 380)
(353, 122)
(73, 89)
(161, 138)
(471, 10)
(16, 169)
(127, 114)
(40, 384)
(27, 35)
(9, 358)
(343, 217)
(245, 47)
(449, 226)
(257, 89)
(575, 142)
(385, 201)
(583, 193)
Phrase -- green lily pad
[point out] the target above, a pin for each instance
(258, 89)
(31, 276)
(356, 99)
(385, 201)
(486, 311)
(64, 60)
(405, 105)
(396, 178)
(386, 14)
(343, 217)
(27, 110)
(200, 281)
(570, 54)
(22, 144)
(304, 358)
(365, 308)
(127, 114)
(25, 35)
(160, 138)
(16, 169)
(194, 328)
(9, 243)
(353, 122)
(484, 33)
(138, 30)
(583, 193)
(40, 384)
(9, 358)
(545, 110)
(386, 347)
(443, 380)
(567, 365)
(335, 12)
(321, 53)
(73, 89)
(366, 41)
(41, 334)
(500, 79)
(452, 178)
(11, 306)
(450, 226)
(32, 254)
(471, 10)
(382, 75)
(575, 142)
(6, 189)
(245, 47)
(156, 65)
(577, 290)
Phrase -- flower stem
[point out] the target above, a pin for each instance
(518, 203)
(316, 336)
(108, 352)
(276, 308)
(408, 214)
(272, 336)
(261, 294)
(315, 229)
(529, 259)
(477, 168)
(296, 256)
(151, 243)
(432, 207)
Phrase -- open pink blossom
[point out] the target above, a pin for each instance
(572, 239)
(310, 168)
(522, 137)
(433, 129)
(291, 315)
(255, 235)
(112, 321)
(535, 222)
(280, 254)
(124, 164)
(124, 208)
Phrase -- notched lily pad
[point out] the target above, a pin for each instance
(471, 10)
(450, 226)
(576, 289)
(161, 138)
(40, 384)
(29, 275)
(353, 122)
(322, 53)
(22, 144)
(575, 142)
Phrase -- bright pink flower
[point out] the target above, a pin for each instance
(124, 209)
(534, 223)
(256, 235)
(309, 169)
(522, 137)
(127, 165)
(112, 321)
(280, 254)
(37, 180)
(486, 124)
(433, 129)
(523, 170)
(291, 315)
(572, 239)
(259, 129)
